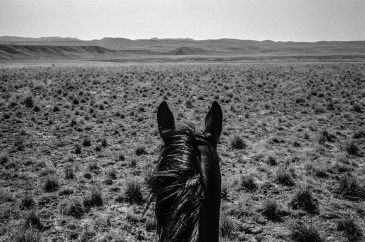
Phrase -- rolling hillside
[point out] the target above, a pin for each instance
(73, 48)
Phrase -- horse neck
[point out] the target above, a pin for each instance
(209, 219)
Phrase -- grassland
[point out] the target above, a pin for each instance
(79, 140)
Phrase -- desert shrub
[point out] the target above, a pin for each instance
(87, 175)
(357, 108)
(133, 193)
(77, 149)
(28, 101)
(104, 142)
(73, 122)
(284, 177)
(238, 143)
(325, 136)
(227, 226)
(350, 229)
(133, 162)
(350, 187)
(56, 108)
(303, 199)
(270, 210)
(86, 141)
(224, 191)
(271, 161)
(69, 172)
(121, 157)
(51, 184)
(27, 202)
(36, 108)
(27, 235)
(98, 148)
(352, 148)
(93, 167)
(74, 208)
(66, 191)
(299, 232)
(188, 104)
(141, 150)
(248, 183)
(93, 199)
(150, 224)
(317, 170)
(112, 173)
(4, 158)
(360, 134)
(32, 220)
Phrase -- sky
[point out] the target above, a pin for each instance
(277, 20)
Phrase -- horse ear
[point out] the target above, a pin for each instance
(213, 122)
(165, 119)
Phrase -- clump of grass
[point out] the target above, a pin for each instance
(271, 210)
(98, 147)
(27, 235)
(325, 136)
(303, 199)
(238, 143)
(350, 187)
(357, 108)
(350, 229)
(150, 224)
(27, 202)
(74, 208)
(77, 149)
(112, 173)
(299, 232)
(360, 134)
(69, 172)
(271, 161)
(4, 158)
(352, 148)
(284, 177)
(121, 157)
(28, 101)
(227, 226)
(133, 193)
(224, 191)
(32, 220)
(86, 141)
(141, 150)
(133, 162)
(248, 183)
(93, 199)
(188, 104)
(104, 142)
(93, 167)
(51, 184)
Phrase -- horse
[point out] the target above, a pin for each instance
(186, 181)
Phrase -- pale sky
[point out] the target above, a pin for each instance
(278, 20)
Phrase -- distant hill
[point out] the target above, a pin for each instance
(11, 52)
(120, 47)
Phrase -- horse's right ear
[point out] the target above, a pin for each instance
(213, 123)
(165, 119)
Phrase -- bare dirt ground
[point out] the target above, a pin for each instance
(79, 140)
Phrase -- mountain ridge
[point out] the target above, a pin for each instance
(121, 47)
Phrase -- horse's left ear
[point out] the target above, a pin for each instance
(213, 122)
(165, 119)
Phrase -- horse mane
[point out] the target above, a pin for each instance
(178, 183)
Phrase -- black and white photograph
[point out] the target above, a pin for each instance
(182, 120)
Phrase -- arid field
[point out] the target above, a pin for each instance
(79, 141)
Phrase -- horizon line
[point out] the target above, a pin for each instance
(181, 38)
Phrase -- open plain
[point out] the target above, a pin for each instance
(79, 140)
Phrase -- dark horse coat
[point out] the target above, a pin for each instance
(186, 182)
